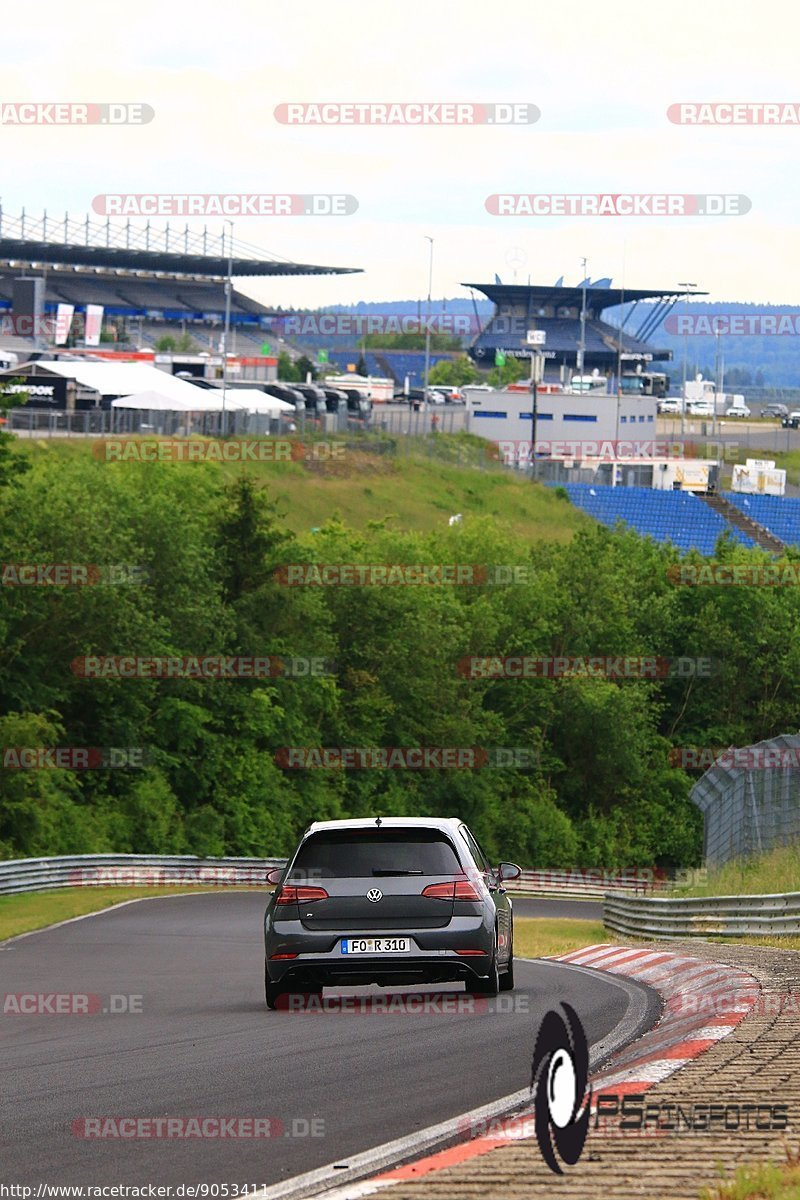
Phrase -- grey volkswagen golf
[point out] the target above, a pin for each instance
(391, 900)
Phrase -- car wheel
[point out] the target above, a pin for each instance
(507, 978)
(491, 985)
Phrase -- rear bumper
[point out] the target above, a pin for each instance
(433, 958)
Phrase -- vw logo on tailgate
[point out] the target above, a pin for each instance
(374, 894)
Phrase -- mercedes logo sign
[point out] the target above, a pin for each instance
(374, 894)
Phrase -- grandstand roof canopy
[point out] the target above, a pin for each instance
(28, 242)
(597, 298)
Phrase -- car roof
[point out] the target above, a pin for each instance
(448, 824)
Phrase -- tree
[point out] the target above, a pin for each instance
(12, 464)
(287, 370)
(361, 366)
(510, 372)
(184, 343)
(453, 372)
(305, 367)
(250, 540)
(411, 341)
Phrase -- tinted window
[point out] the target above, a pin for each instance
(342, 854)
(481, 861)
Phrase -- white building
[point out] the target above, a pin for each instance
(568, 424)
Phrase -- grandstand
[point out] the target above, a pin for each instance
(140, 274)
(778, 514)
(389, 364)
(678, 517)
(556, 311)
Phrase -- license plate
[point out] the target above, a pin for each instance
(378, 945)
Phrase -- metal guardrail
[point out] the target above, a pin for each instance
(159, 870)
(657, 918)
(131, 870)
(585, 884)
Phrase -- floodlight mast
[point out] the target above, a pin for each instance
(582, 343)
(228, 290)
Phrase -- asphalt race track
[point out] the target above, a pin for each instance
(204, 1045)
(535, 906)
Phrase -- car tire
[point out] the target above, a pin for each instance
(491, 985)
(507, 978)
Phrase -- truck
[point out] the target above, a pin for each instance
(372, 387)
(701, 399)
(644, 383)
(759, 477)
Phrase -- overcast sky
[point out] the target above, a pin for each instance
(602, 74)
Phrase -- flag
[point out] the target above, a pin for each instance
(499, 358)
(64, 315)
(94, 322)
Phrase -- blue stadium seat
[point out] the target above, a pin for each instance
(677, 517)
(779, 514)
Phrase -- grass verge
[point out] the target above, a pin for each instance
(760, 1181)
(416, 485)
(778, 871)
(536, 937)
(35, 910)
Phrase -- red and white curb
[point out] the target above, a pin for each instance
(703, 1003)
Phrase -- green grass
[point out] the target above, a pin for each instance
(778, 871)
(762, 1181)
(537, 937)
(788, 460)
(417, 487)
(35, 910)
(773, 873)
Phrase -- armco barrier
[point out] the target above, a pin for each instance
(131, 870)
(588, 883)
(702, 916)
(151, 870)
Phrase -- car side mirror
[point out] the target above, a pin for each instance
(507, 871)
(274, 875)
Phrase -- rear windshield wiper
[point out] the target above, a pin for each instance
(401, 871)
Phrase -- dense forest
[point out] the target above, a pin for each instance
(200, 564)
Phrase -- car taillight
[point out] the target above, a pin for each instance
(459, 889)
(300, 895)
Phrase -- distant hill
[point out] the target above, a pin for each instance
(758, 359)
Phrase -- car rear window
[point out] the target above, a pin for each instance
(350, 853)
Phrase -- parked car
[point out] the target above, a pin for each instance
(775, 411)
(737, 410)
(791, 420)
(670, 404)
(700, 408)
(452, 395)
(398, 900)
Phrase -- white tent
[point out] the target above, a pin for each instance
(129, 379)
(158, 402)
(253, 400)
